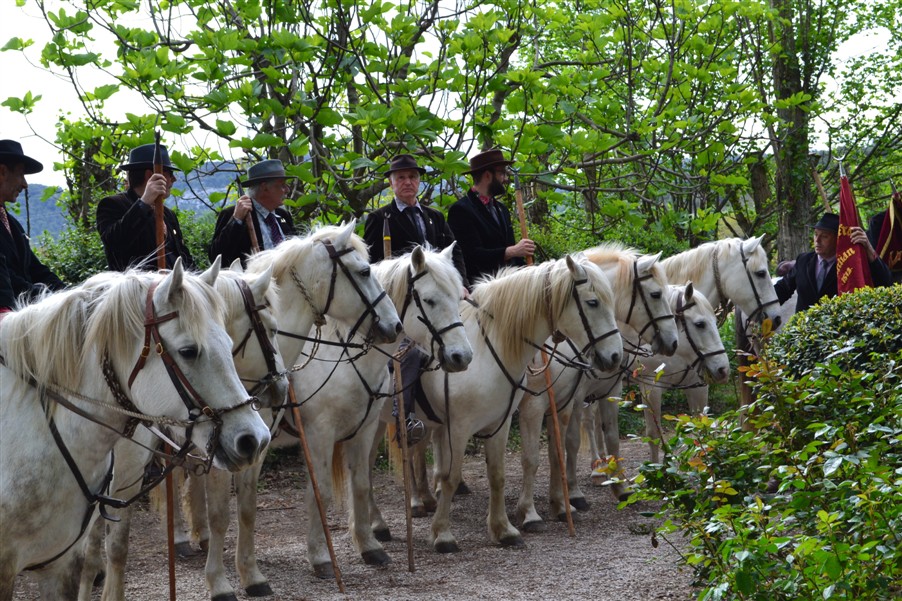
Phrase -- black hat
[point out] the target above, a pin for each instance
(402, 162)
(829, 222)
(487, 159)
(142, 156)
(11, 154)
(264, 170)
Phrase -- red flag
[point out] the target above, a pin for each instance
(852, 269)
(889, 244)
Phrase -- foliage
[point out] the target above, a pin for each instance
(198, 235)
(74, 256)
(829, 436)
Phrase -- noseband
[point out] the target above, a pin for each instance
(252, 309)
(700, 357)
(759, 306)
(639, 292)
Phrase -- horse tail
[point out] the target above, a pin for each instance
(339, 475)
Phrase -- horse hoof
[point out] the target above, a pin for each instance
(430, 505)
(204, 545)
(625, 496)
(462, 489)
(447, 547)
(620, 492)
(261, 589)
(419, 512)
(184, 551)
(225, 597)
(324, 571)
(534, 527)
(376, 557)
(383, 535)
(513, 542)
(579, 503)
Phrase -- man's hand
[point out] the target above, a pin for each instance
(157, 188)
(523, 248)
(858, 236)
(244, 206)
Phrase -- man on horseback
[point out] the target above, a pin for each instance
(126, 221)
(20, 270)
(267, 186)
(482, 224)
(409, 224)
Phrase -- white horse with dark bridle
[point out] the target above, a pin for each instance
(342, 391)
(643, 306)
(80, 369)
(508, 318)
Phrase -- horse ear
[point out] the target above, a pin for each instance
(690, 290)
(576, 270)
(448, 251)
(212, 272)
(418, 259)
(171, 286)
(260, 286)
(751, 244)
(236, 266)
(344, 234)
(646, 262)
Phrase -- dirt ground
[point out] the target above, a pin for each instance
(610, 557)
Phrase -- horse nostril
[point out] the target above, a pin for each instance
(247, 446)
(615, 359)
(674, 346)
(777, 321)
(398, 327)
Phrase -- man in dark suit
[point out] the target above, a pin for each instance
(814, 274)
(21, 272)
(482, 225)
(410, 224)
(126, 220)
(267, 186)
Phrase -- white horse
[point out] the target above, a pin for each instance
(89, 349)
(511, 315)
(250, 302)
(730, 270)
(643, 305)
(342, 390)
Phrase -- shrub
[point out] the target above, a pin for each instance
(827, 430)
(75, 256)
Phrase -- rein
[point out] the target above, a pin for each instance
(258, 329)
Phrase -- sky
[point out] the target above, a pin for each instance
(38, 132)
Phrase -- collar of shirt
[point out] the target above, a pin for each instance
(262, 212)
(486, 200)
(402, 207)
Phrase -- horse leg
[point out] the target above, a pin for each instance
(218, 485)
(570, 448)
(60, 580)
(448, 467)
(193, 502)
(422, 500)
(7, 572)
(610, 424)
(93, 565)
(321, 459)
(698, 399)
(356, 462)
(500, 528)
(653, 425)
(254, 583)
(380, 527)
(532, 410)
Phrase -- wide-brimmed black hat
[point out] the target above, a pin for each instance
(402, 162)
(264, 170)
(489, 158)
(142, 157)
(828, 221)
(11, 154)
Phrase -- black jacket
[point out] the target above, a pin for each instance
(802, 279)
(128, 233)
(231, 240)
(482, 239)
(20, 270)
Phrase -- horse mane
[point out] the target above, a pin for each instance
(677, 290)
(117, 318)
(232, 298)
(515, 298)
(690, 265)
(42, 340)
(295, 249)
(392, 274)
(623, 257)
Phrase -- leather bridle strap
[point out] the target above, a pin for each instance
(435, 333)
(700, 356)
(640, 293)
(252, 309)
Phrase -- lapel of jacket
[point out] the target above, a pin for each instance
(483, 212)
(405, 226)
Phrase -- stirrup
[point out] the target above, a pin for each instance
(416, 431)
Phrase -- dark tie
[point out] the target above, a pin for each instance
(417, 219)
(821, 272)
(274, 232)
(5, 220)
(493, 209)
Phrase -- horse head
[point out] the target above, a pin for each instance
(700, 343)
(745, 280)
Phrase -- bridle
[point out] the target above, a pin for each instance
(700, 357)
(320, 314)
(258, 329)
(724, 299)
(435, 333)
(639, 292)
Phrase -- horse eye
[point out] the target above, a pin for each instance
(592, 302)
(365, 273)
(429, 302)
(189, 352)
(762, 273)
(700, 325)
(656, 294)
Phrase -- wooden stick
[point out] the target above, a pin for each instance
(249, 220)
(406, 467)
(552, 404)
(160, 238)
(296, 411)
(820, 188)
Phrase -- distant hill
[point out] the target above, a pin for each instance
(47, 216)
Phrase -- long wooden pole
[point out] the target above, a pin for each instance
(160, 231)
(308, 461)
(249, 220)
(406, 467)
(552, 404)
(820, 188)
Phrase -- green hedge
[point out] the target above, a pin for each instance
(826, 430)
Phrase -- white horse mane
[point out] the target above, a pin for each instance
(232, 296)
(294, 250)
(515, 298)
(392, 274)
(624, 257)
(690, 265)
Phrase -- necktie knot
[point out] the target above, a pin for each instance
(5, 220)
(275, 233)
